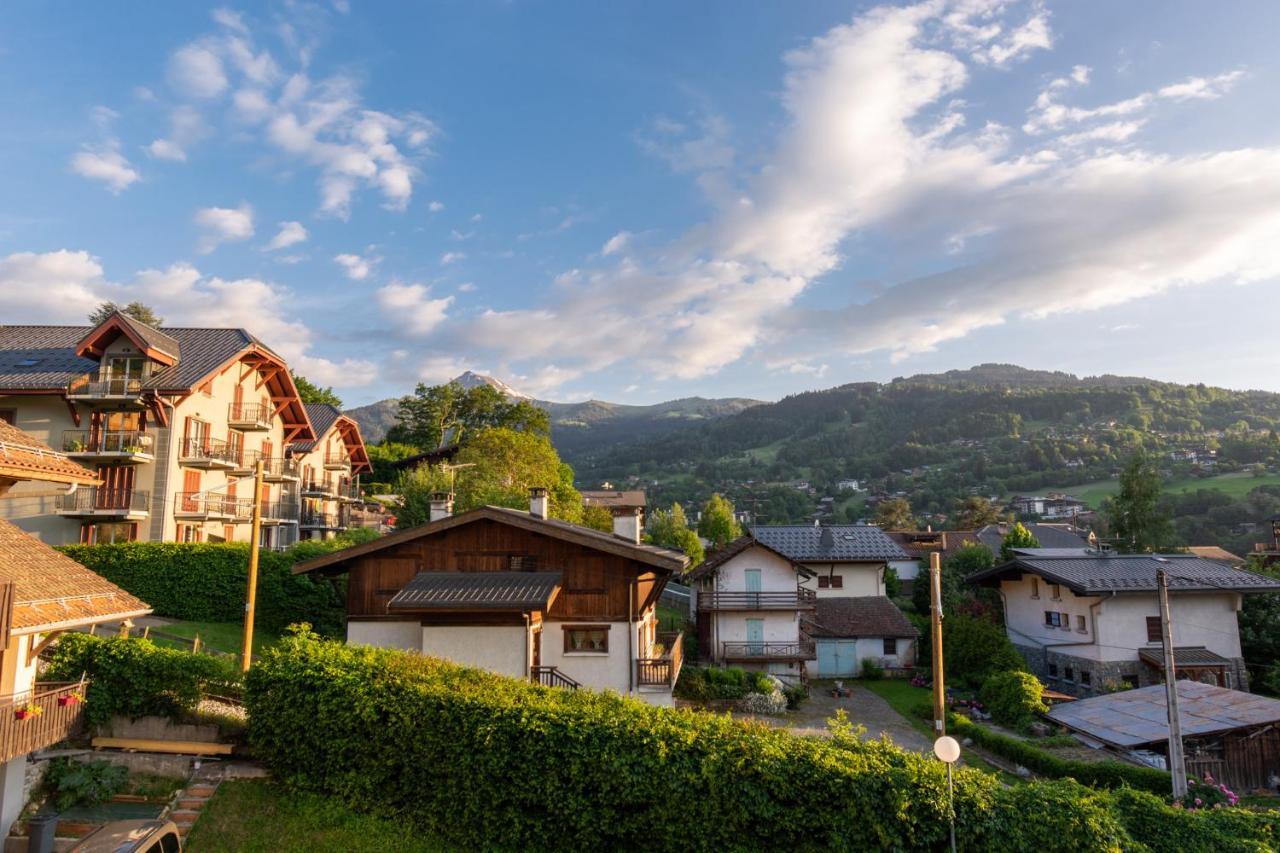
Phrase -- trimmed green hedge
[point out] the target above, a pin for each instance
(486, 762)
(135, 677)
(1105, 774)
(205, 582)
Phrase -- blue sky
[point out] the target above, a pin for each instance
(639, 201)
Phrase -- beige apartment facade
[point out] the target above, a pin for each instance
(329, 469)
(172, 421)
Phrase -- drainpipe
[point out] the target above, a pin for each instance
(527, 625)
(631, 660)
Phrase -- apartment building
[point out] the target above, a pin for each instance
(172, 421)
(329, 467)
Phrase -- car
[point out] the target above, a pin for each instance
(132, 836)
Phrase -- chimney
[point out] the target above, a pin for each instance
(539, 503)
(441, 505)
(626, 525)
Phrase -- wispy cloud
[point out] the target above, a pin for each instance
(290, 234)
(220, 225)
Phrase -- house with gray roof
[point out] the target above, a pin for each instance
(1088, 620)
(172, 420)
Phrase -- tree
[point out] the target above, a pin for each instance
(1134, 515)
(717, 523)
(597, 518)
(436, 415)
(972, 557)
(895, 514)
(314, 394)
(1018, 537)
(670, 529)
(138, 311)
(383, 457)
(976, 512)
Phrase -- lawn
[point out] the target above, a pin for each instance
(1236, 485)
(258, 815)
(225, 637)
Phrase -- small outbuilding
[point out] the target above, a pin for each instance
(849, 631)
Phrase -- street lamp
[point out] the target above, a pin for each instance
(948, 751)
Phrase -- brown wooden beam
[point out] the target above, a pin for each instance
(34, 651)
(75, 413)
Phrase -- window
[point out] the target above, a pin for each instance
(1035, 587)
(890, 646)
(1154, 634)
(586, 638)
(837, 581)
(1081, 625)
(824, 582)
(1051, 618)
(1064, 621)
(189, 533)
(1069, 674)
(1053, 670)
(1055, 591)
(1086, 678)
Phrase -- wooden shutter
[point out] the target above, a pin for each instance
(190, 485)
(6, 613)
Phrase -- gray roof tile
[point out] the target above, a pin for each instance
(1048, 535)
(1101, 573)
(836, 543)
(322, 417)
(859, 616)
(477, 591)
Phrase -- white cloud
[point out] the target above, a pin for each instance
(452, 258)
(223, 225)
(616, 243)
(186, 126)
(357, 267)
(290, 234)
(105, 163)
(411, 308)
(230, 19)
(53, 287)
(1201, 88)
(196, 71)
(1116, 131)
(435, 206)
(467, 287)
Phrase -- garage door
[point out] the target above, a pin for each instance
(837, 658)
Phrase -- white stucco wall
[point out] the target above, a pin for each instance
(601, 671)
(907, 569)
(1198, 619)
(387, 635)
(1024, 614)
(498, 648)
(776, 573)
(860, 579)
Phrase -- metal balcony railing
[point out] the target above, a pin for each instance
(92, 386)
(103, 500)
(799, 599)
(322, 520)
(249, 415)
(85, 442)
(336, 459)
(212, 452)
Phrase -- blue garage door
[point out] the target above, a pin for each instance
(837, 658)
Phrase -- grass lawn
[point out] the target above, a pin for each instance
(1236, 485)
(225, 637)
(259, 815)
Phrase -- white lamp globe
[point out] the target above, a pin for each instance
(947, 749)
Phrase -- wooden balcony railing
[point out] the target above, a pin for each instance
(804, 649)
(662, 671)
(84, 442)
(61, 709)
(800, 599)
(550, 676)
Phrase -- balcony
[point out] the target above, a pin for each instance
(277, 469)
(208, 453)
(321, 520)
(97, 388)
(347, 491)
(103, 502)
(194, 506)
(319, 488)
(129, 446)
(250, 416)
(279, 512)
(61, 709)
(336, 461)
(733, 652)
(662, 671)
(800, 599)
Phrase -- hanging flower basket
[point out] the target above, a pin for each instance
(28, 711)
(70, 699)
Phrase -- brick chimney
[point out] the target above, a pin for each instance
(539, 503)
(441, 505)
(626, 524)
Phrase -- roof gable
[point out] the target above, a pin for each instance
(153, 343)
(741, 545)
(323, 418)
(651, 555)
(1102, 573)
(836, 543)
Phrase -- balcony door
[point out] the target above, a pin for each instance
(117, 431)
(117, 487)
(751, 579)
(122, 372)
(755, 636)
(190, 488)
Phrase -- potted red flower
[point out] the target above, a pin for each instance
(27, 711)
(70, 699)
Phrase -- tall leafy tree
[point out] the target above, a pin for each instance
(972, 557)
(314, 394)
(670, 529)
(895, 514)
(1018, 537)
(137, 310)
(976, 511)
(436, 415)
(717, 523)
(597, 518)
(1138, 524)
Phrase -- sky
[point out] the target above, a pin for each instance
(637, 201)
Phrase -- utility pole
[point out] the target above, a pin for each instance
(935, 613)
(1177, 765)
(251, 596)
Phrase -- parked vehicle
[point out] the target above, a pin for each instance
(132, 836)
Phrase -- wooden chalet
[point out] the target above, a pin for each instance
(518, 593)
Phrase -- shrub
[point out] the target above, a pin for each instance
(70, 783)
(707, 683)
(976, 648)
(796, 694)
(135, 677)
(871, 670)
(1013, 698)
(205, 582)
(433, 744)
(764, 703)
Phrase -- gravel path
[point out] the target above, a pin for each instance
(863, 707)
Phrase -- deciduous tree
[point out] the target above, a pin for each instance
(436, 415)
(1018, 537)
(1137, 522)
(137, 310)
(314, 394)
(895, 514)
(717, 523)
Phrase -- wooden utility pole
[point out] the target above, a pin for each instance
(251, 596)
(1177, 765)
(935, 613)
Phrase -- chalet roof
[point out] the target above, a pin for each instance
(52, 590)
(1189, 656)
(25, 457)
(614, 498)
(651, 555)
(478, 591)
(859, 616)
(741, 545)
(1048, 535)
(1139, 717)
(921, 543)
(1097, 573)
(1213, 552)
(322, 417)
(836, 543)
(149, 337)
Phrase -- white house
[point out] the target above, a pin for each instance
(1086, 618)
(849, 631)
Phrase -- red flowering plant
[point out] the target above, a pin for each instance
(1207, 794)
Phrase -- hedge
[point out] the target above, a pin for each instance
(205, 582)
(1105, 774)
(1013, 698)
(135, 677)
(486, 762)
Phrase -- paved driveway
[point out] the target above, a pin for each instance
(863, 707)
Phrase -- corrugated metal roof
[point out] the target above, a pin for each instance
(836, 543)
(1184, 656)
(478, 591)
(1136, 717)
(1105, 572)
